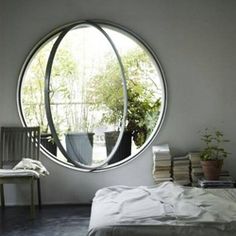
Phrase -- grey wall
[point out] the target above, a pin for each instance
(195, 42)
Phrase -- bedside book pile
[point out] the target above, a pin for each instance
(195, 166)
(181, 170)
(161, 163)
(223, 182)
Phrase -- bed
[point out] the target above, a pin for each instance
(163, 210)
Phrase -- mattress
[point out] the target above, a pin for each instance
(164, 210)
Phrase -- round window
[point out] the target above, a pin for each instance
(97, 92)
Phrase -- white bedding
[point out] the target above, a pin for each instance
(166, 209)
(25, 168)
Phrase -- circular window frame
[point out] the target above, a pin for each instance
(141, 42)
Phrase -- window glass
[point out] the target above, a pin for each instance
(96, 91)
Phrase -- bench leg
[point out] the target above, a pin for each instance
(32, 208)
(2, 196)
(39, 194)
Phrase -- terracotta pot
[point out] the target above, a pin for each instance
(212, 169)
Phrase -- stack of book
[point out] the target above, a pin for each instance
(161, 163)
(223, 182)
(225, 173)
(196, 168)
(181, 171)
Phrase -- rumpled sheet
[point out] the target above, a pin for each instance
(122, 210)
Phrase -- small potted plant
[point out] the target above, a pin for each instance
(213, 154)
(79, 136)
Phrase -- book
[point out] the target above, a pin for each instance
(164, 179)
(163, 163)
(181, 171)
(182, 182)
(161, 149)
(161, 157)
(195, 166)
(181, 158)
(223, 182)
(181, 162)
(162, 174)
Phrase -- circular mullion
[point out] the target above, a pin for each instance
(47, 93)
(125, 95)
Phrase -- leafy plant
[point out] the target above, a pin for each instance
(106, 92)
(63, 92)
(213, 149)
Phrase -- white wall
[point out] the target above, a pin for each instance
(195, 42)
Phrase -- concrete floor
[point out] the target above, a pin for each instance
(66, 220)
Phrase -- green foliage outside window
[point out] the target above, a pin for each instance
(106, 90)
(103, 92)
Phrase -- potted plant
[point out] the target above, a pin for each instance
(79, 146)
(38, 118)
(33, 101)
(213, 154)
(79, 137)
(47, 141)
(140, 112)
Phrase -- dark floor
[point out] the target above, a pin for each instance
(63, 220)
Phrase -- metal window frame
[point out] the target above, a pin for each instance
(143, 44)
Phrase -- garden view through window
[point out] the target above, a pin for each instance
(104, 96)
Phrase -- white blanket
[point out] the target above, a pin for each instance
(26, 167)
(164, 204)
(30, 164)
